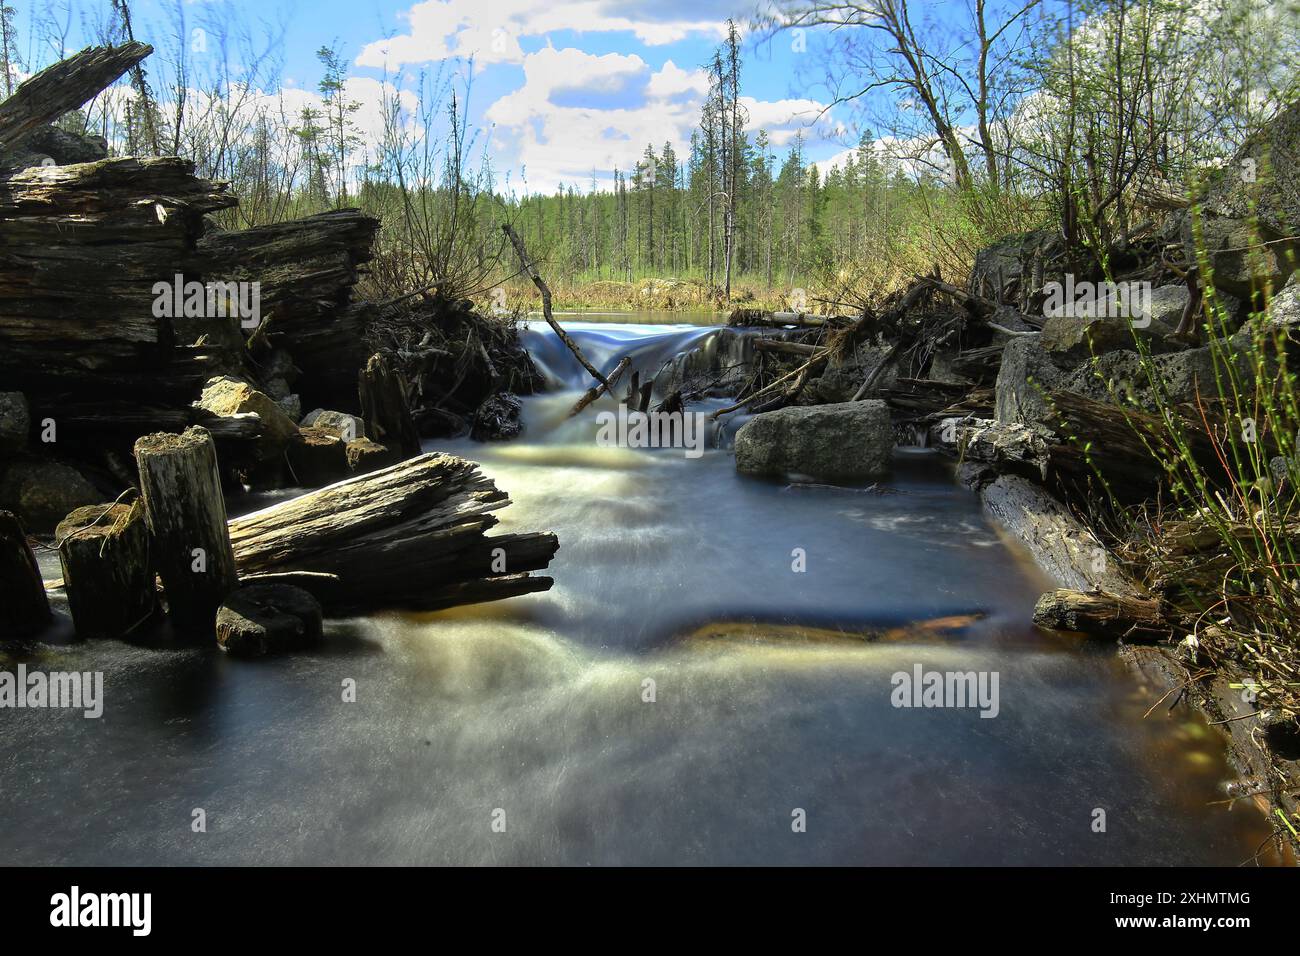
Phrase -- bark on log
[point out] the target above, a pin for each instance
(25, 609)
(181, 490)
(105, 553)
(386, 407)
(64, 86)
(1097, 612)
(411, 535)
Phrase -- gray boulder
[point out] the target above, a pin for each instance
(1027, 371)
(341, 424)
(851, 441)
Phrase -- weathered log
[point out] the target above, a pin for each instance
(411, 535)
(104, 550)
(386, 407)
(25, 609)
(306, 270)
(63, 87)
(1098, 612)
(802, 320)
(181, 490)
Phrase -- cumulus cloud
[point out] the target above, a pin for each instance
(490, 30)
(557, 142)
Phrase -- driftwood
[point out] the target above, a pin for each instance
(783, 348)
(409, 536)
(538, 281)
(181, 489)
(25, 609)
(595, 392)
(107, 571)
(1098, 612)
(63, 87)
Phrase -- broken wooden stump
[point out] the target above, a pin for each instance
(317, 457)
(25, 609)
(63, 87)
(181, 490)
(386, 407)
(1098, 612)
(263, 618)
(105, 553)
(409, 536)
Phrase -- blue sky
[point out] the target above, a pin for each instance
(564, 89)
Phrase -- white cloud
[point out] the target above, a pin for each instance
(490, 30)
(555, 141)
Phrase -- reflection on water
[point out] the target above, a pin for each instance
(674, 581)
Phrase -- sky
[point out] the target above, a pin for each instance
(562, 91)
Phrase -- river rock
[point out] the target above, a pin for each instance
(226, 395)
(15, 419)
(43, 492)
(345, 426)
(840, 382)
(849, 441)
(261, 619)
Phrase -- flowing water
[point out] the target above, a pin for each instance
(694, 689)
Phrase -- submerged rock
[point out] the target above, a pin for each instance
(849, 441)
(261, 619)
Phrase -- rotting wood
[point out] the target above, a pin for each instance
(408, 536)
(181, 490)
(386, 407)
(1098, 612)
(64, 86)
(107, 571)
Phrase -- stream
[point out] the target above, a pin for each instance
(691, 691)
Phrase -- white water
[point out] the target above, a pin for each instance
(535, 706)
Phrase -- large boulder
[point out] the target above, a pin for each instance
(43, 492)
(261, 619)
(15, 419)
(1027, 371)
(841, 380)
(1248, 214)
(851, 441)
(226, 395)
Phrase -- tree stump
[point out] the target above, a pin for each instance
(24, 610)
(386, 408)
(261, 619)
(181, 490)
(104, 550)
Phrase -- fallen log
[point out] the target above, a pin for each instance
(595, 392)
(25, 609)
(1098, 612)
(181, 490)
(783, 348)
(408, 536)
(63, 87)
(107, 571)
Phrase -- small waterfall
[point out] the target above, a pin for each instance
(652, 348)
